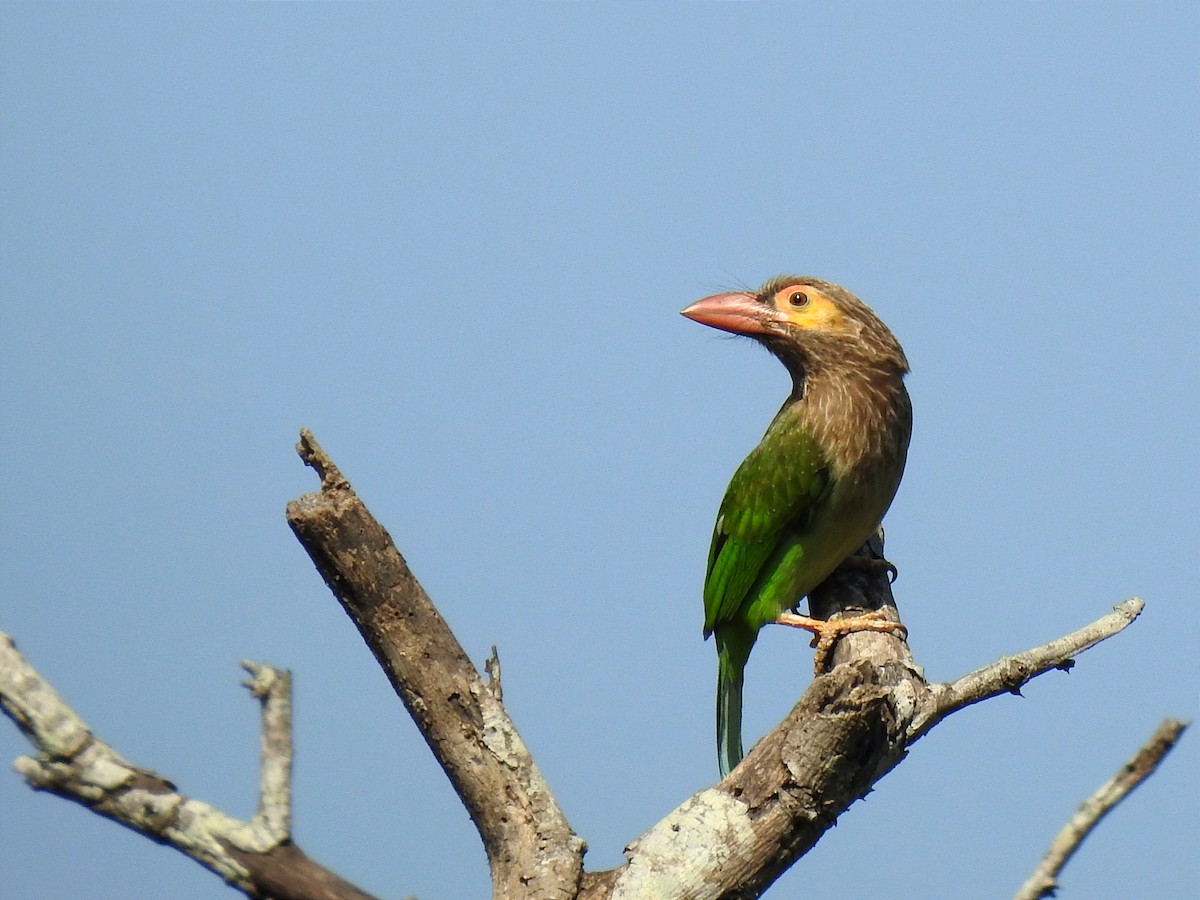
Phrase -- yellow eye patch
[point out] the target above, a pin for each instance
(806, 307)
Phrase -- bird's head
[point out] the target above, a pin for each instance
(805, 322)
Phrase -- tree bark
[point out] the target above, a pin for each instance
(256, 857)
(531, 850)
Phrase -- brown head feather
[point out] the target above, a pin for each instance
(848, 383)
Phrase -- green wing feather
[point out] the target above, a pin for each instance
(770, 502)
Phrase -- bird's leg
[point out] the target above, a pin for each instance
(826, 633)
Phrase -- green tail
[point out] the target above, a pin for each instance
(733, 649)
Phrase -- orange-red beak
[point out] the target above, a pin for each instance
(737, 312)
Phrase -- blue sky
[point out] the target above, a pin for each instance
(453, 240)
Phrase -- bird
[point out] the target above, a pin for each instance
(818, 483)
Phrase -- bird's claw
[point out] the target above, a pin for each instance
(872, 564)
(827, 632)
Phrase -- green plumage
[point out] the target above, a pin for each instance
(819, 481)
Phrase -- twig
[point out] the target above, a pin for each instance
(78, 766)
(1044, 880)
(1009, 674)
(273, 687)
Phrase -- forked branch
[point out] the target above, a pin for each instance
(257, 857)
(852, 726)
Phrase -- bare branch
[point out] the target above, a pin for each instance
(531, 848)
(75, 764)
(852, 726)
(1009, 674)
(273, 687)
(733, 840)
(1044, 880)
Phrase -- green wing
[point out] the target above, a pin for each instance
(769, 502)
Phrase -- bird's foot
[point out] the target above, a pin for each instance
(826, 633)
(872, 565)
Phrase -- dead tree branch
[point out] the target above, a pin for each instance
(1044, 880)
(852, 726)
(256, 857)
(732, 840)
(531, 849)
(1009, 674)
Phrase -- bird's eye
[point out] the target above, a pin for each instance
(798, 299)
